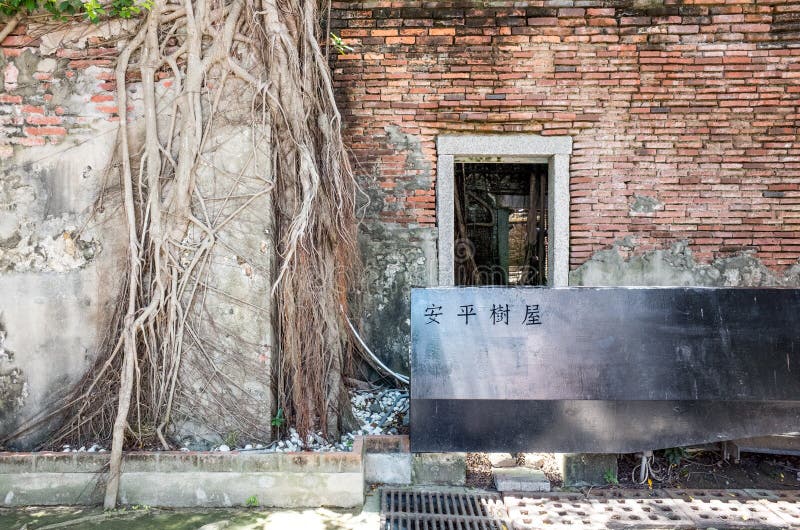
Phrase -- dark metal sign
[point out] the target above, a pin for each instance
(601, 369)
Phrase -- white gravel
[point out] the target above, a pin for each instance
(381, 411)
(94, 448)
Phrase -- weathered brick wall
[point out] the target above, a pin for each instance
(684, 114)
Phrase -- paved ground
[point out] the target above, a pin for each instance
(607, 508)
(143, 518)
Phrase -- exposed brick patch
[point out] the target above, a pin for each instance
(30, 111)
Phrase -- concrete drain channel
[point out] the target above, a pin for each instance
(430, 510)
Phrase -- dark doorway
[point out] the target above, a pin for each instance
(500, 224)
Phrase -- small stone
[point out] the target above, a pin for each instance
(502, 460)
(534, 460)
(224, 448)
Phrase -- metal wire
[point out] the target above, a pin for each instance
(375, 361)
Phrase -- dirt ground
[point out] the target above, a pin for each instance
(703, 469)
(708, 470)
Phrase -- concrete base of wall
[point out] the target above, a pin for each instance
(290, 480)
(387, 460)
(445, 469)
(582, 469)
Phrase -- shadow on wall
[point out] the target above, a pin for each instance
(394, 261)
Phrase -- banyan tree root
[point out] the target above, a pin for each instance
(214, 52)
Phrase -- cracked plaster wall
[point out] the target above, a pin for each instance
(394, 261)
(60, 265)
(63, 252)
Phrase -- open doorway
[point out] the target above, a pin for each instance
(500, 224)
(517, 154)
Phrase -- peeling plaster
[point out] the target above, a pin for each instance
(676, 266)
(416, 159)
(77, 35)
(644, 204)
(394, 261)
(39, 227)
(13, 387)
(58, 283)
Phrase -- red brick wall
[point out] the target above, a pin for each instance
(694, 103)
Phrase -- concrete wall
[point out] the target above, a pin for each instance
(63, 240)
(187, 479)
(61, 252)
(226, 373)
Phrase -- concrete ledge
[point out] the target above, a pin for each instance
(504, 144)
(51, 489)
(445, 469)
(193, 479)
(387, 460)
(520, 479)
(213, 489)
(583, 469)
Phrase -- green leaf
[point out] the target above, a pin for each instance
(278, 420)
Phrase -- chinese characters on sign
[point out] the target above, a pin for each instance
(466, 312)
(499, 314)
(432, 313)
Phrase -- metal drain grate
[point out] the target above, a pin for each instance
(430, 510)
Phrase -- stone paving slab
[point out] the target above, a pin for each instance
(520, 479)
(674, 509)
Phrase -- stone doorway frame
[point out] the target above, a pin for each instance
(554, 151)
